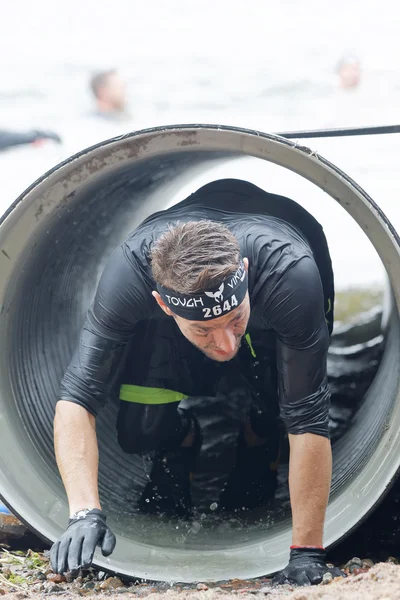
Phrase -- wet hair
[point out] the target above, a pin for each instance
(98, 80)
(195, 256)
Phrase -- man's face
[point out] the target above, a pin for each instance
(220, 338)
(114, 92)
(350, 75)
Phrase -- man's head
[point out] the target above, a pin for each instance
(202, 283)
(109, 91)
(349, 72)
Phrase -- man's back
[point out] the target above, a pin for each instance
(274, 233)
(284, 283)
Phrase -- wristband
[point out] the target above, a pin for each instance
(307, 547)
(81, 514)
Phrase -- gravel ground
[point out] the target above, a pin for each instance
(28, 575)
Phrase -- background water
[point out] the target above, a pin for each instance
(261, 64)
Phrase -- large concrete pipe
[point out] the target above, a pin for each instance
(54, 241)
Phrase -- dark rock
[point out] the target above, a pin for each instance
(39, 575)
(52, 588)
(88, 585)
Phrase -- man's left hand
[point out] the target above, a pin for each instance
(306, 566)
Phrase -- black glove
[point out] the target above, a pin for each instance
(306, 567)
(75, 548)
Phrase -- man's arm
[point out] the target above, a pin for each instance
(310, 472)
(297, 316)
(121, 300)
(9, 139)
(77, 455)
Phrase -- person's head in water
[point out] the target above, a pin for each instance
(349, 72)
(202, 283)
(109, 90)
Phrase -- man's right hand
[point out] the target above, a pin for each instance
(76, 547)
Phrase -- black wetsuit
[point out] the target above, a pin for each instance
(10, 139)
(283, 358)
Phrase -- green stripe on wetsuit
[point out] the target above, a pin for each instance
(149, 395)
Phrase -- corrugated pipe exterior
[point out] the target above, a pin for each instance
(54, 241)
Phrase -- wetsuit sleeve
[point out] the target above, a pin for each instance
(8, 139)
(295, 311)
(121, 301)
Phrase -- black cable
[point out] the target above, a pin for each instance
(320, 133)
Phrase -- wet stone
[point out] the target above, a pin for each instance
(367, 563)
(327, 578)
(202, 586)
(56, 578)
(112, 583)
(51, 588)
(88, 585)
(354, 562)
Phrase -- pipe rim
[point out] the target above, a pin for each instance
(330, 175)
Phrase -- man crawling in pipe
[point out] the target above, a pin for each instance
(231, 279)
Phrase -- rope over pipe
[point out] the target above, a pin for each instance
(341, 132)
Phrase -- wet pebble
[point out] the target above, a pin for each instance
(353, 561)
(353, 565)
(327, 578)
(51, 588)
(88, 585)
(112, 583)
(392, 560)
(202, 586)
(56, 578)
(367, 563)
